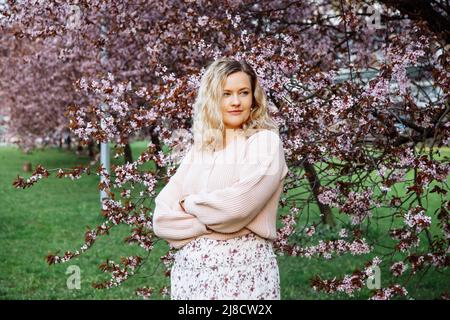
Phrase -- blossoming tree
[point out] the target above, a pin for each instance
(359, 90)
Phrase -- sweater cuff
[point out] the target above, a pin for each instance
(199, 227)
(189, 203)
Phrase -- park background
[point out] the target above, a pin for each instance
(359, 90)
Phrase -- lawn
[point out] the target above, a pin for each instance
(53, 215)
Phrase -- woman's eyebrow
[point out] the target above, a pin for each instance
(238, 90)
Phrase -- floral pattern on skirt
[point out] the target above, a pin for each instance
(242, 268)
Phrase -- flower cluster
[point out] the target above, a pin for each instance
(343, 233)
(407, 239)
(115, 119)
(349, 284)
(417, 219)
(357, 206)
(310, 231)
(39, 173)
(389, 292)
(144, 292)
(438, 259)
(142, 231)
(398, 268)
(73, 173)
(118, 274)
(326, 249)
(167, 261)
(329, 197)
(289, 223)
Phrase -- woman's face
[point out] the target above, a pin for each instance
(237, 95)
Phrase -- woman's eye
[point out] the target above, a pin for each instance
(227, 94)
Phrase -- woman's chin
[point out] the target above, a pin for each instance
(234, 123)
(234, 126)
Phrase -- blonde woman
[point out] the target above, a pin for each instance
(219, 208)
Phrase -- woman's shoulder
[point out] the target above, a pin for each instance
(264, 136)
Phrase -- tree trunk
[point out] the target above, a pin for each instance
(314, 182)
(91, 148)
(128, 156)
(155, 140)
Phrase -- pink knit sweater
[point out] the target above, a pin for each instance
(227, 193)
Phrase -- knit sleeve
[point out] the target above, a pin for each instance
(230, 209)
(170, 222)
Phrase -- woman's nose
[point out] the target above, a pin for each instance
(235, 100)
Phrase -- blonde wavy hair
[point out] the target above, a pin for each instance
(208, 126)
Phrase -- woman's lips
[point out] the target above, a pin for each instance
(235, 112)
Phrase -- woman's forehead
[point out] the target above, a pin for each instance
(237, 81)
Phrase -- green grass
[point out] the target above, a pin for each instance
(53, 215)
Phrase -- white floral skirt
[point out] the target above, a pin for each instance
(243, 268)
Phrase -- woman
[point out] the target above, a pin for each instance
(219, 208)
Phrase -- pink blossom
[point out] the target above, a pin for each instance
(398, 268)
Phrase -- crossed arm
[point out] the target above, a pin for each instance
(230, 209)
(224, 210)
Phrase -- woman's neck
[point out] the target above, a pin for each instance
(230, 135)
